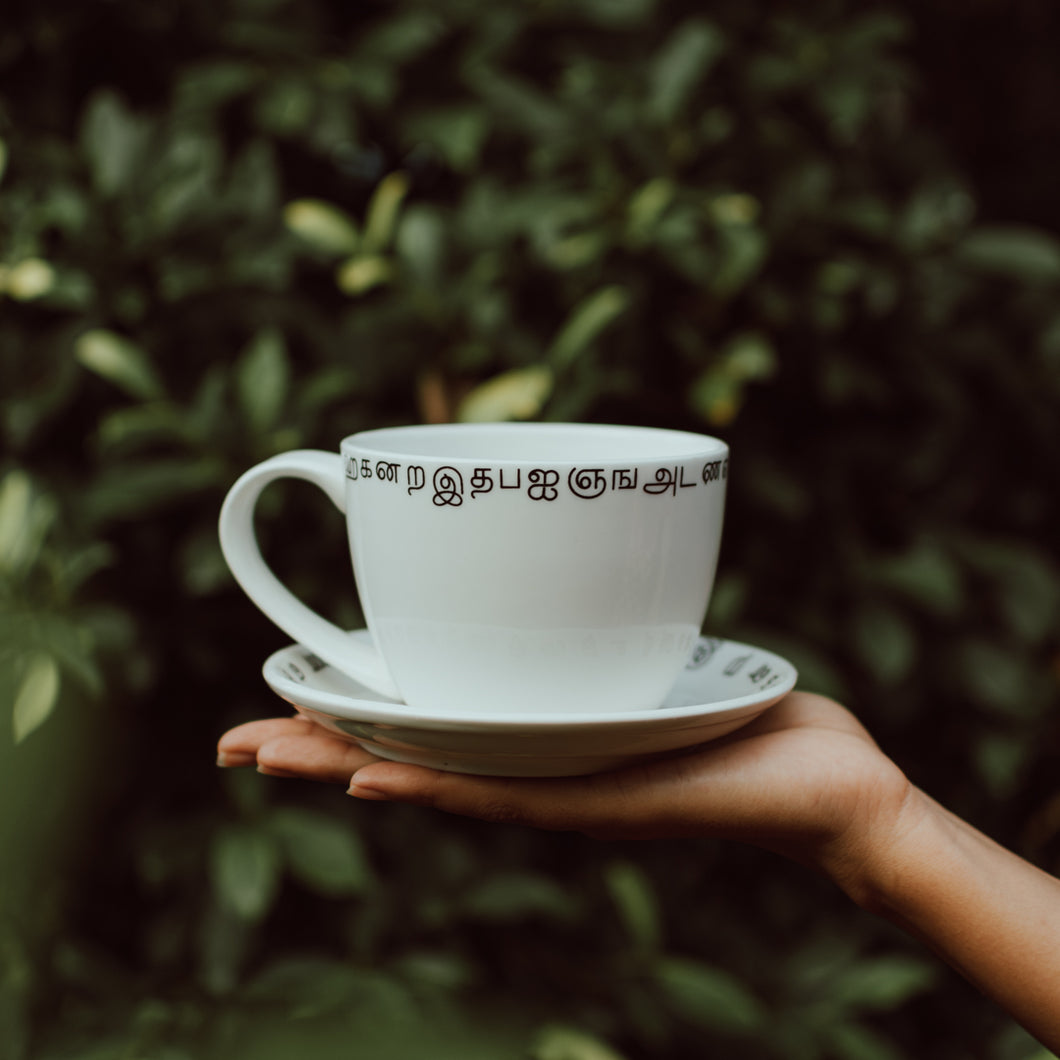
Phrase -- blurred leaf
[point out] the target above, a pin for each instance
(1026, 584)
(245, 870)
(133, 426)
(708, 997)
(518, 103)
(1000, 679)
(26, 516)
(744, 251)
(381, 221)
(518, 394)
(1027, 255)
(305, 987)
(516, 896)
(361, 274)
(322, 225)
(458, 132)
(31, 278)
(685, 59)
(926, 573)
(884, 642)
(134, 489)
(569, 1043)
(203, 564)
(647, 205)
(114, 140)
(263, 379)
(586, 323)
(852, 1041)
(37, 695)
(635, 901)
(420, 243)
(1001, 760)
(716, 395)
(119, 361)
(29, 630)
(438, 970)
(882, 983)
(749, 356)
(323, 852)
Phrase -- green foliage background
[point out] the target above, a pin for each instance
(237, 227)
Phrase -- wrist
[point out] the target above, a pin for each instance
(871, 860)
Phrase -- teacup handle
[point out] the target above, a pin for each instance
(240, 547)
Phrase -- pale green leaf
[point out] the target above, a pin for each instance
(361, 274)
(1025, 583)
(635, 902)
(519, 394)
(884, 642)
(647, 205)
(744, 251)
(1019, 253)
(716, 395)
(322, 225)
(851, 1041)
(927, 574)
(708, 997)
(29, 279)
(684, 60)
(114, 141)
(882, 984)
(245, 870)
(586, 323)
(119, 361)
(25, 518)
(558, 1042)
(515, 896)
(323, 852)
(749, 356)
(263, 379)
(1001, 679)
(37, 695)
(420, 243)
(1001, 761)
(383, 209)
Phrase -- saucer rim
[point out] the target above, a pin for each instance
(393, 712)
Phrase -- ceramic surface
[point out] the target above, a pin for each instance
(507, 567)
(724, 685)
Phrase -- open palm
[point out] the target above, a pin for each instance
(804, 779)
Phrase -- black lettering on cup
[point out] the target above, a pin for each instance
(448, 488)
(481, 481)
(587, 482)
(416, 478)
(542, 484)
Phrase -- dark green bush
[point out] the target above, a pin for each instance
(234, 228)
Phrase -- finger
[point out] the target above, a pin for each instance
(292, 747)
(239, 746)
(313, 755)
(630, 802)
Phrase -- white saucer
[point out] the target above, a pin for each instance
(725, 685)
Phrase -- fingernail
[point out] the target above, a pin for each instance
(364, 791)
(269, 771)
(234, 759)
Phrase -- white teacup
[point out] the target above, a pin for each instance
(508, 567)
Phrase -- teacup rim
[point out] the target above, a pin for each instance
(372, 442)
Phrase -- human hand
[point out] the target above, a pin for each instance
(804, 779)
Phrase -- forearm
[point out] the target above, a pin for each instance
(991, 915)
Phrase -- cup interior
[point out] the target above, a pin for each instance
(539, 443)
